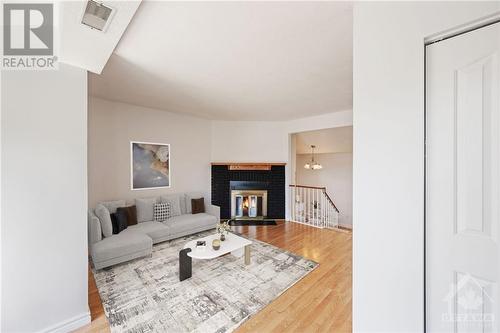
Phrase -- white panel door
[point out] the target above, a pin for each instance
(462, 182)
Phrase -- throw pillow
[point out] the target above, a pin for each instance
(145, 208)
(131, 214)
(189, 196)
(175, 206)
(114, 223)
(198, 205)
(104, 217)
(119, 220)
(162, 211)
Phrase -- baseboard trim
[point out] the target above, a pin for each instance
(345, 226)
(70, 324)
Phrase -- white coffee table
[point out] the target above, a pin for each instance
(233, 244)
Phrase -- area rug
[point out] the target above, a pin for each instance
(251, 222)
(145, 295)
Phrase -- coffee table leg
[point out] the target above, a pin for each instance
(247, 254)
(185, 264)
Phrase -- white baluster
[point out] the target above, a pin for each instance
(330, 214)
(311, 212)
(318, 221)
(303, 198)
(324, 211)
(308, 197)
(301, 203)
(309, 206)
(313, 203)
(316, 209)
(316, 200)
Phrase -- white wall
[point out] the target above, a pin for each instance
(266, 141)
(249, 141)
(336, 175)
(328, 120)
(388, 184)
(113, 125)
(44, 199)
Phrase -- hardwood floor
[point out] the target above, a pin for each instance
(320, 302)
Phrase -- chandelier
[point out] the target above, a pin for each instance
(313, 165)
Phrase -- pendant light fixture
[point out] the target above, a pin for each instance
(313, 165)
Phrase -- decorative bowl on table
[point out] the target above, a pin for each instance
(216, 244)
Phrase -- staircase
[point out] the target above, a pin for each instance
(313, 206)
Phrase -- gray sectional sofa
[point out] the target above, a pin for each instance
(137, 240)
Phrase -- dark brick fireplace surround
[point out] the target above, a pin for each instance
(271, 175)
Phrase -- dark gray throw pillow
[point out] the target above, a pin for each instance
(198, 206)
(119, 220)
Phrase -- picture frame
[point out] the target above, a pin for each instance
(150, 165)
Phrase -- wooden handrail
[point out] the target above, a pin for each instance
(331, 201)
(305, 186)
(318, 188)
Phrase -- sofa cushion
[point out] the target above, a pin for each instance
(156, 230)
(121, 245)
(186, 222)
(182, 203)
(94, 227)
(112, 206)
(144, 209)
(105, 218)
(188, 197)
(175, 205)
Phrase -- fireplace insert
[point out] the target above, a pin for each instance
(248, 199)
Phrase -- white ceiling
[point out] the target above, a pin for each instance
(331, 140)
(234, 60)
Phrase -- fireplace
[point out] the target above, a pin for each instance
(248, 199)
(248, 204)
(249, 191)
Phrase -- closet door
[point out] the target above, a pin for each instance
(462, 182)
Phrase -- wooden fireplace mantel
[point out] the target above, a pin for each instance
(248, 166)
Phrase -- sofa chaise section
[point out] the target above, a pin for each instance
(120, 248)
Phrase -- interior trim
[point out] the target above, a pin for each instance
(462, 29)
(70, 324)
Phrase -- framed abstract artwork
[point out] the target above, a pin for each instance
(150, 165)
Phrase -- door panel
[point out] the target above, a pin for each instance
(462, 182)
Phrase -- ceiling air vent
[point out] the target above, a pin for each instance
(97, 16)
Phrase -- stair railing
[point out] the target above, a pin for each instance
(313, 206)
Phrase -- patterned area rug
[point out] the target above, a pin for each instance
(145, 295)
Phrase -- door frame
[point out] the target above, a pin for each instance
(436, 38)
